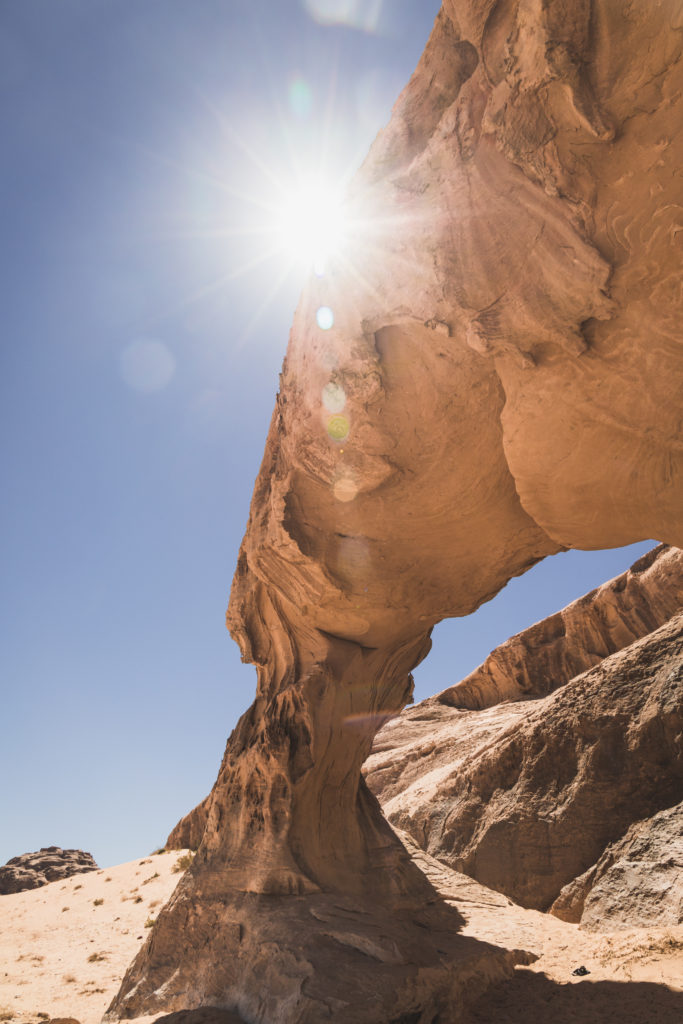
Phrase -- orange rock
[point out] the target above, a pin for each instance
(506, 333)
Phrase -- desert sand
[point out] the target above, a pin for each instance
(63, 953)
(57, 962)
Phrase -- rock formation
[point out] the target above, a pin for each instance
(638, 879)
(49, 864)
(526, 796)
(499, 381)
(552, 652)
(531, 664)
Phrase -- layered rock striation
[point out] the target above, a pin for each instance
(499, 381)
(526, 797)
(49, 864)
(550, 653)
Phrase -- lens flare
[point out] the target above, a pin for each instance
(338, 428)
(324, 318)
(334, 397)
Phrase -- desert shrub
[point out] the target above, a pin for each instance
(183, 863)
(98, 903)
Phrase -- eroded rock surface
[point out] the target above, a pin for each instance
(638, 880)
(50, 863)
(531, 664)
(501, 380)
(549, 653)
(526, 796)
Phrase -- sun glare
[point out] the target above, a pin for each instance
(311, 226)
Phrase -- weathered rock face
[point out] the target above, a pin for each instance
(49, 864)
(543, 657)
(501, 381)
(187, 834)
(551, 652)
(637, 881)
(526, 796)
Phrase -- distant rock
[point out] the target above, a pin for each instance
(638, 880)
(550, 653)
(49, 864)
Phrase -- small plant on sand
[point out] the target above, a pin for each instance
(138, 899)
(94, 957)
(69, 979)
(151, 878)
(77, 887)
(64, 908)
(98, 903)
(6, 1013)
(43, 1016)
(149, 923)
(183, 863)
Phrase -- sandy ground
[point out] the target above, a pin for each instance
(63, 955)
(635, 976)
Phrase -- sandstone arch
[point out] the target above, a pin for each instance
(507, 339)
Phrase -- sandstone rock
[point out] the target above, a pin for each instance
(50, 863)
(188, 833)
(525, 796)
(532, 663)
(637, 881)
(506, 366)
(551, 652)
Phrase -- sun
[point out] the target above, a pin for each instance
(311, 225)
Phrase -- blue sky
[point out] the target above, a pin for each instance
(144, 325)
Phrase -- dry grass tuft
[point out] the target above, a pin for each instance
(183, 863)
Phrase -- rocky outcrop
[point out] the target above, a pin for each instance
(637, 881)
(489, 373)
(49, 864)
(187, 834)
(549, 653)
(526, 796)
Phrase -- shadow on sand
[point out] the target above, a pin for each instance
(531, 997)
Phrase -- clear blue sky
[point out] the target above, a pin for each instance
(143, 328)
